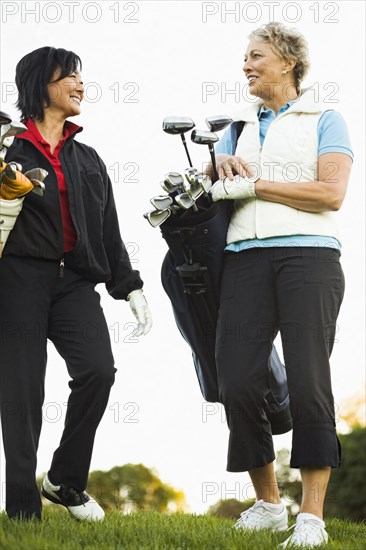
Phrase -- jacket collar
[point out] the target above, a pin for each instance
(32, 133)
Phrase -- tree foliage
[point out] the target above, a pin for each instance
(133, 487)
(346, 496)
(230, 508)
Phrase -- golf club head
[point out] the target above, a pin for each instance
(218, 122)
(38, 174)
(161, 202)
(203, 137)
(4, 118)
(157, 217)
(10, 130)
(39, 188)
(184, 201)
(177, 124)
(164, 187)
(173, 182)
(195, 192)
(189, 174)
(204, 182)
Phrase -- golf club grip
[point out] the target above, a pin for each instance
(213, 160)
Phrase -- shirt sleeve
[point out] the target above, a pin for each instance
(227, 143)
(333, 134)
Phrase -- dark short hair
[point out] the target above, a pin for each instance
(34, 71)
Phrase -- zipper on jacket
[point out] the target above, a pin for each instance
(62, 267)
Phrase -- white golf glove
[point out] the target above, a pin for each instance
(239, 188)
(141, 311)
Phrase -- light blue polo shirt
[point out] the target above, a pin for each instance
(332, 138)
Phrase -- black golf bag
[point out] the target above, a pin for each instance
(191, 274)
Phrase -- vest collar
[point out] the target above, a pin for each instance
(304, 104)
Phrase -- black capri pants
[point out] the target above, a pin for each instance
(298, 292)
(37, 304)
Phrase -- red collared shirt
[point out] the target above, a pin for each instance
(33, 135)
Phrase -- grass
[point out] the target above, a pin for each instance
(154, 531)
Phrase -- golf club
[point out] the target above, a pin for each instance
(4, 118)
(12, 129)
(204, 182)
(203, 137)
(173, 183)
(185, 201)
(175, 125)
(161, 202)
(157, 217)
(216, 123)
(189, 174)
(8, 132)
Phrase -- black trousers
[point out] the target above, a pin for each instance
(36, 304)
(298, 292)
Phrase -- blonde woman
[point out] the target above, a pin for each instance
(287, 172)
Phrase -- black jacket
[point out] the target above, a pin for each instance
(99, 254)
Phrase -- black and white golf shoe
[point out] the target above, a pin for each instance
(80, 505)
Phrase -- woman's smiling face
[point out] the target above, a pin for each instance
(66, 94)
(263, 69)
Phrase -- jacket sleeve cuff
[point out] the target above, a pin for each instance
(119, 290)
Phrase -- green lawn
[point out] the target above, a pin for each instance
(149, 530)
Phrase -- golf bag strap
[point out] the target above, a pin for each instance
(239, 125)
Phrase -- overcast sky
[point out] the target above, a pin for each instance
(143, 61)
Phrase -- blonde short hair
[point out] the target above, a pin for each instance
(287, 43)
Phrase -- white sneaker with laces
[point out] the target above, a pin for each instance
(259, 516)
(309, 531)
(80, 505)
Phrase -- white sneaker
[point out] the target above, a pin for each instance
(80, 505)
(309, 531)
(260, 516)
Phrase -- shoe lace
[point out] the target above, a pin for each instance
(305, 529)
(252, 516)
(80, 497)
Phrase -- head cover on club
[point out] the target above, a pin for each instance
(218, 122)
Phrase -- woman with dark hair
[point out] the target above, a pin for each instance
(287, 171)
(62, 245)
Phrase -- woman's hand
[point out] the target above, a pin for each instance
(229, 166)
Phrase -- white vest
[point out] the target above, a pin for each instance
(289, 153)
